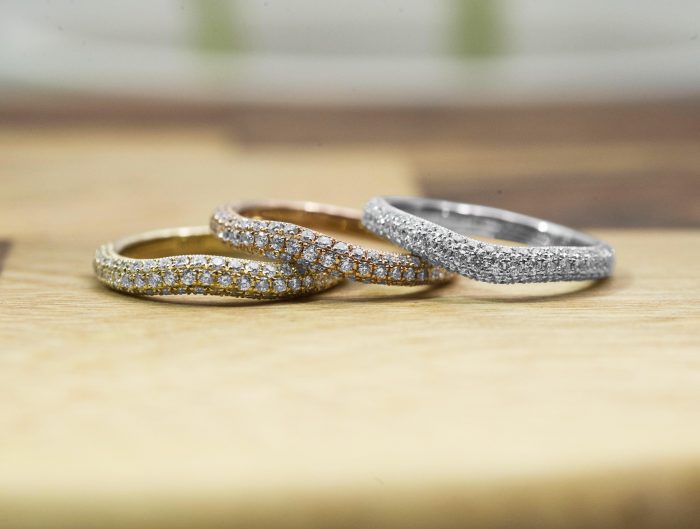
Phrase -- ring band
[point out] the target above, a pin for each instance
(271, 229)
(434, 230)
(189, 261)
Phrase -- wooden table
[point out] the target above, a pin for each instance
(469, 405)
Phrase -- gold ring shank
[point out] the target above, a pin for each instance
(192, 261)
(288, 231)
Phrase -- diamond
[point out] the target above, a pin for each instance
(243, 283)
(205, 278)
(217, 262)
(409, 274)
(308, 281)
(295, 283)
(246, 238)
(364, 269)
(308, 235)
(277, 242)
(340, 247)
(309, 253)
(139, 281)
(347, 265)
(169, 278)
(252, 267)
(263, 285)
(357, 253)
(328, 260)
(181, 260)
(380, 271)
(125, 281)
(286, 269)
(261, 240)
(154, 280)
(395, 274)
(324, 242)
(188, 277)
(293, 247)
(280, 285)
(199, 260)
(225, 280)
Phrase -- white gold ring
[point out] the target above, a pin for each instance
(436, 230)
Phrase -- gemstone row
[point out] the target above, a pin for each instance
(482, 261)
(321, 253)
(206, 274)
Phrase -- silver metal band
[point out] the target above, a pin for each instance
(192, 261)
(437, 231)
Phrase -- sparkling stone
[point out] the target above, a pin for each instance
(280, 285)
(225, 280)
(235, 264)
(286, 269)
(347, 265)
(308, 281)
(139, 281)
(181, 260)
(217, 262)
(246, 238)
(293, 247)
(261, 240)
(252, 267)
(324, 242)
(277, 242)
(309, 253)
(308, 235)
(199, 260)
(263, 285)
(199, 290)
(205, 278)
(328, 260)
(421, 276)
(380, 271)
(364, 269)
(395, 273)
(294, 283)
(357, 253)
(409, 274)
(243, 283)
(169, 278)
(125, 281)
(373, 255)
(340, 247)
(188, 277)
(154, 280)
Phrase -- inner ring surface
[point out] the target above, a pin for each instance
(169, 246)
(469, 219)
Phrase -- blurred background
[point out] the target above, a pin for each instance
(595, 103)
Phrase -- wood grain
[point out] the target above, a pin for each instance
(489, 406)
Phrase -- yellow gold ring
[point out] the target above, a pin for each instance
(193, 261)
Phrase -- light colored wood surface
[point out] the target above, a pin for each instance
(495, 406)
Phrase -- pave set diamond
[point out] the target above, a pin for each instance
(206, 274)
(320, 253)
(481, 261)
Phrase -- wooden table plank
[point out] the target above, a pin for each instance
(536, 405)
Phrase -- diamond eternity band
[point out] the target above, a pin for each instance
(279, 230)
(192, 261)
(436, 230)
